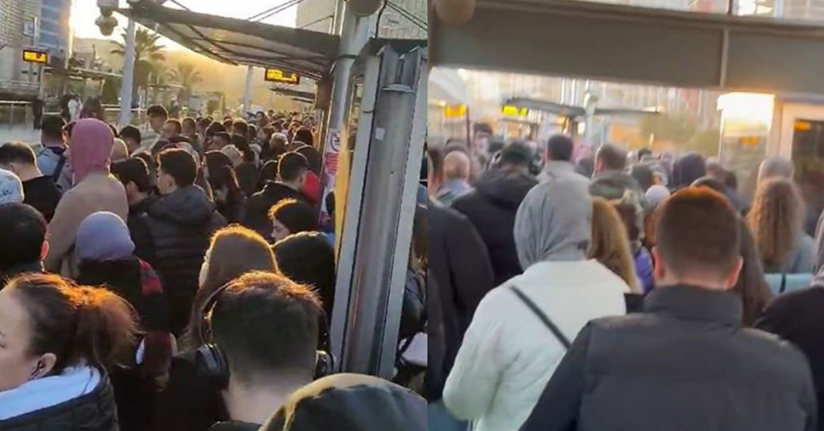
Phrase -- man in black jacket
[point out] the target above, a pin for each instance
(293, 168)
(797, 318)
(686, 363)
(492, 205)
(180, 224)
(39, 190)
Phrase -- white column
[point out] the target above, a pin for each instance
(247, 91)
(128, 77)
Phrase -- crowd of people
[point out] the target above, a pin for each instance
(182, 284)
(593, 290)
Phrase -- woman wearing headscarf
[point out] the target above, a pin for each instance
(105, 254)
(508, 353)
(95, 189)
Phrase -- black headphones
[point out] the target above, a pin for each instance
(211, 362)
(536, 163)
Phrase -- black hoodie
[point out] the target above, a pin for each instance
(180, 226)
(351, 402)
(491, 208)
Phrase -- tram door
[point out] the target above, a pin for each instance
(802, 141)
(376, 190)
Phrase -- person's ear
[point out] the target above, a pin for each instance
(43, 366)
(44, 250)
(732, 278)
(658, 270)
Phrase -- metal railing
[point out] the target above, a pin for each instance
(15, 113)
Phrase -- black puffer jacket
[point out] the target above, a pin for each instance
(180, 226)
(256, 216)
(684, 364)
(491, 208)
(95, 411)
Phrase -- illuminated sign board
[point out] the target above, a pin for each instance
(33, 56)
(282, 76)
(513, 111)
(455, 111)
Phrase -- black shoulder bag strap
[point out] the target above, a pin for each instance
(544, 318)
(783, 283)
(61, 162)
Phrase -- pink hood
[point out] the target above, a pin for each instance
(91, 146)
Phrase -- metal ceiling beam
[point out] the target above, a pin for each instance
(632, 44)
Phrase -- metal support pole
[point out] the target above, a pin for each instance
(354, 35)
(337, 18)
(247, 91)
(128, 77)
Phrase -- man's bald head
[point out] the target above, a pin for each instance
(456, 166)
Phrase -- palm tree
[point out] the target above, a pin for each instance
(148, 54)
(187, 77)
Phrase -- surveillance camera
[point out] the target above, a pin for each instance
(106, 24)
(107, 4)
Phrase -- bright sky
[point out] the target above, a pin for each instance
(84, 12)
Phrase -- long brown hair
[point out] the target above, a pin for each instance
(234, 251)
(78, 324)
(776, 220)
(610, 242)
(751, 286)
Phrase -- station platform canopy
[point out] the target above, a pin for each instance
(612, 42)
(563, 110)
(240, 42)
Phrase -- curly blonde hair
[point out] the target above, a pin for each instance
(610, 243)
(776, 221)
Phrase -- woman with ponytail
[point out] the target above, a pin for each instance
(57, 341)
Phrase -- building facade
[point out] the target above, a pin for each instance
(55, 28)
(17, 31)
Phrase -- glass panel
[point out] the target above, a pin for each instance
(808, 158)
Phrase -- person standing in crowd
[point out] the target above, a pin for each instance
(263, 368)
(311, 189)
(180, 224)
(456, 169)
(95, 189)
(558, 156)
(37, 111)
(131, 136)
(776, 220)
(492, 205)
(775, 167)
(687, 169)
(171, 129)
(120, 151)
(610, 243)
(278, 146)
(291, 216)
(189, 402)
(52, 160)
(751, 286)
(59, 340)
(228, 196)
(174, 109)
(134, 175)
(75, 108)
(376, 405)
(157, 118)
(683, 359)
(11, 188)
(510, 351)
(308, 258)
(189, 128)
(105, 253)
(796, 317)
(613, 184)
(461, 270)
(293, 170)
(24, 241)
(39, 191)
